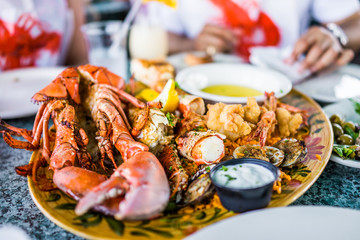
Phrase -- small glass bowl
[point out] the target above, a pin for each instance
(245, 199)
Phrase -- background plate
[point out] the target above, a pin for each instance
(193, 79)
(59, 208)
(316, 222)
(178, 60)
(18, 86)
(332, 87)
(346, 110)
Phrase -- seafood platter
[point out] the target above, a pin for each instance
(132, 160)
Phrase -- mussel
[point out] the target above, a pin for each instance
(200, 187)
(294, 151)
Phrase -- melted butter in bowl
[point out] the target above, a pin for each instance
(232, 90)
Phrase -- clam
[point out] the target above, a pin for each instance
(294, 151)
(267, 153)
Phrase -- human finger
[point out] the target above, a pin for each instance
(326, 60)
(301, 45)
(346, 56)
(222, 32)
(206, 40)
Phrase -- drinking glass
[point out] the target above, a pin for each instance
(148, 41)
(100, 37)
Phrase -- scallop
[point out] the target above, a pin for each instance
(294, 151)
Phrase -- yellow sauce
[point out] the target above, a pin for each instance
(232, 91)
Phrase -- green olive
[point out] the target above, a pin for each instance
(350, 125)
(336, 118)
(345, 139)
(338, 131)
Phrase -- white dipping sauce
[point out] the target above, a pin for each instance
(243, 176)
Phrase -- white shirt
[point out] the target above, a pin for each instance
(36, 32)
(292, 17)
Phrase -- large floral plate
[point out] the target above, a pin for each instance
(59, 208)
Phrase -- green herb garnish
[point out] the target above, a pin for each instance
(207, 169)
(224, 168)
(229, 178)
(356, 105)
(170, 119)
(177, 85)
(343, 151)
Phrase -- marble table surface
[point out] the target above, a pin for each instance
(337, 186)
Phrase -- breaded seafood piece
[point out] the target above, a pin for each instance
(252, 111)
(228, 120)
(287, 123)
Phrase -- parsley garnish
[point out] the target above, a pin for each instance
(170, 118)
(207, 169)
(170, 168)
(177, 85)
(230, 178)
(224, 168)
(234, 169)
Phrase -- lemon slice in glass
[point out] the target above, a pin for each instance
(168, 97)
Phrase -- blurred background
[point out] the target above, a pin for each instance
(101, 10)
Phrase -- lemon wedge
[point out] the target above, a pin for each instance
(148, 94)
(168, 97)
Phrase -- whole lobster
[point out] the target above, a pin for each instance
(137, 189)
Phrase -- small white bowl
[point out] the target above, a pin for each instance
(193, 79)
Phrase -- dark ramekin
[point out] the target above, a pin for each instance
(245, 199)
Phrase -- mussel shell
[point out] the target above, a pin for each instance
(294, 150)
(199, 190)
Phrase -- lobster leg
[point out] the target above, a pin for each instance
(120, 136)
(103, 138)
(114, 99)
(126, 97)
(26, 134)
(14, 143)
(38, 116)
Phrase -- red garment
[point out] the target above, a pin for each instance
(21, 43)
(257, 27)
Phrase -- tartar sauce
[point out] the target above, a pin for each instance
(243, 176)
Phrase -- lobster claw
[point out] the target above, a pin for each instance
(67, 179)
(139, 187)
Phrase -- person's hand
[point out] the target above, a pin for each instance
(322, 51)
(216, 39)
